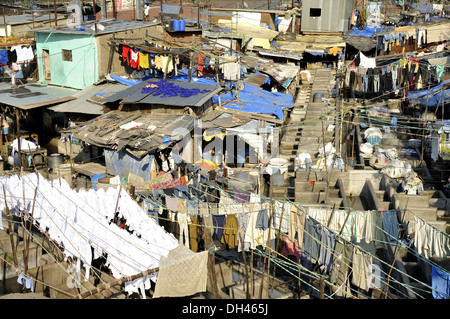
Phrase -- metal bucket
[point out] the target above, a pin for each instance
(54, 160)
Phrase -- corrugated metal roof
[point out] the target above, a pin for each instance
(28, 18)
(105, 131)
(33, 95)
(110, 26)
(134, 94)
(87, 99)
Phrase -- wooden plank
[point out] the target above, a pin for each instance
(90, 169)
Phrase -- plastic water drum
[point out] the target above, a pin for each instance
(318, 97)
(182, 25)
(176, 25)
(94, 180)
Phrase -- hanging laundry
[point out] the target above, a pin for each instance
(340, 270)
(201, 59)
(195, 233)
(134, 59)
(366, 62)
(25, 281)
(391, 226)
(230, 232)
(4, 57)
(281, 214)
(231, 71)
(311, 242)
(144, 60)
(440, 282)
(361, 262)
(167, 64)
(296, 226)
(328, 242)
(219, 224)
(291, 248)
(125, 54)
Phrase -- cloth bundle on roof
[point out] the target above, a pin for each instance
(168, 89)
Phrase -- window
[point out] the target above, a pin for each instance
(315, 12)
(66, 55)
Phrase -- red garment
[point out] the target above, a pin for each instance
(126, 54)
(291, 248)
(201, 60)
(134, 59)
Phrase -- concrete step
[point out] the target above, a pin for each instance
(305, 186)
(427, 213)
(405, 200)
(311, 197)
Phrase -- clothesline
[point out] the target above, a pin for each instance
(109, 257)
(306, 232)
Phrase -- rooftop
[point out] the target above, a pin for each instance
(103, 27)
(34, 95)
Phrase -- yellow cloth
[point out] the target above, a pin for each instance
(230, 232)
(143, 60)
(335, 50)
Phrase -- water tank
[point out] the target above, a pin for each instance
(176, 25)
(182, 25)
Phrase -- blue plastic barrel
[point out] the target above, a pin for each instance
(176, 25)
(94, 180)
(182, 25)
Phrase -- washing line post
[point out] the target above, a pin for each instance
(116, 282)
(27, 243)
(324, 152)
(18, 137)
(267, 249)
(10, 228)
(277, 242)
(211, 264)
(247, 292)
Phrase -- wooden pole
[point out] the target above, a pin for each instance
(278, 241)
(56, 14)
(10, 228)
(114, 9)
(18, 137)
(1, 134)
(324, 152)
(116, 282)
(27, 243)
(267, 252)
(211, 264)
(191, 57)
(247, 292)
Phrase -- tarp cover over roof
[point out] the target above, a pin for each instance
(256, 100)
(138, 133)
(433, 96)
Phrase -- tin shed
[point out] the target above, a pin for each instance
(326, 15)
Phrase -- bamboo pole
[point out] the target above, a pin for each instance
(116, 282)
(18, 137)
(10, 228)
(247, 292)
(211, 264)
(267, 250)
(27, 243)
(324, 153)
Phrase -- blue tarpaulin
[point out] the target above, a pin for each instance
(368, 31)
(435, 96)
(256, 100)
